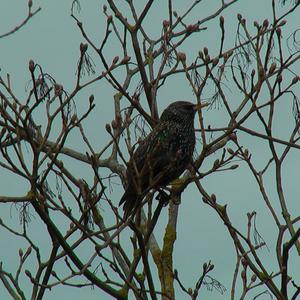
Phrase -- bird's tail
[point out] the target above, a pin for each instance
(129, 201)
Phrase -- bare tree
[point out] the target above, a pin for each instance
(87, 235)
(30, 14)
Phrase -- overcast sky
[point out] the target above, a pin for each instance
(52, 39)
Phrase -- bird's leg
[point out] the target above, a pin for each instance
(163, 197)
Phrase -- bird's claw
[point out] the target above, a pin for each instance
(163, 197)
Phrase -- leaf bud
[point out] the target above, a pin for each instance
(272, 68)
(295, 80)
(91, 99)
(221, 21)
(266, 23)
(213, 198)
(20, 252)
(115, 60)
(108, 128)
(181, 56)
(31, 65)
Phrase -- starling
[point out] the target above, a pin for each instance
(163, 155)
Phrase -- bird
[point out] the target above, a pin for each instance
(162, 156)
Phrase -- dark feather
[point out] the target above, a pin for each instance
(162, 156)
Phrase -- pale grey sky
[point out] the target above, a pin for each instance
(52, 39)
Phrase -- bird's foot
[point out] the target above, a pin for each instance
(163, 197)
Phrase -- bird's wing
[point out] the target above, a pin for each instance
(153, 156)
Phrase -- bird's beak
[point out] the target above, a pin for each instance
(200, 105)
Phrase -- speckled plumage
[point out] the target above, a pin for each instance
(163, 155)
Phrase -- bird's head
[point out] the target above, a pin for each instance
(181, 111)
